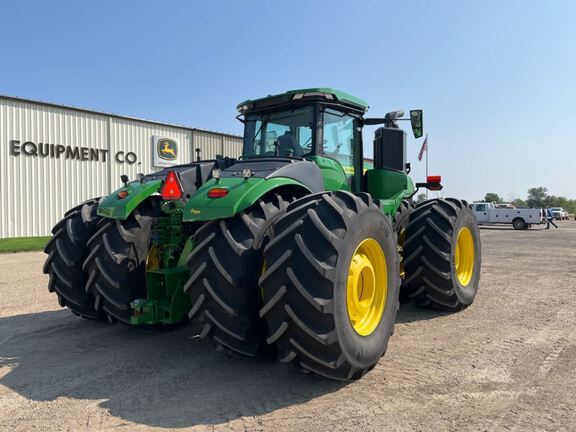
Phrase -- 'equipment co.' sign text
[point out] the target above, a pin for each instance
(59, 151)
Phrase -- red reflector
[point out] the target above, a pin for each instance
(122, 194)
(433, 179)
(171, 190)
(217, 193)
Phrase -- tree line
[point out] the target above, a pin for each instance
(537, 198)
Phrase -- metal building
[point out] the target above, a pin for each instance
(53, 157)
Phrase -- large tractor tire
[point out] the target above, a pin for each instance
(116, 264)
(331, 284)
(400, 223)
(442, 255)
(66, 252)
(224, 268)
(403, 216)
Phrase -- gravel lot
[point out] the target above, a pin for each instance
(506, 363)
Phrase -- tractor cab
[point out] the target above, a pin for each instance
(320, 125)
(324, 126)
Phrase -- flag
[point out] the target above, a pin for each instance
(424, 148)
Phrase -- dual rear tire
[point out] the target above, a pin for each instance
(66, 252)
(116, 262)
(331, 284)
(224, 268)
(327, 297)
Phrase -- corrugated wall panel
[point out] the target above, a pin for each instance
(232, 146)
(134, 136)
(36, 191)
(210, 143)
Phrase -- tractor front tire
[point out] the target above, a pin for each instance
(224, 268)
(400, 223)
(66, 252)
(331, 284)
(442, 255)
(403, 216)
(116, 264)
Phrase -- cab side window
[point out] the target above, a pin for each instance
(338, 142)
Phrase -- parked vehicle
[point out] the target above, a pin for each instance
(559, 213)
(520, 218)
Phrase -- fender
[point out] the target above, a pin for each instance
(242, 193)
(389, 187)
(114, 207)
(191, 176)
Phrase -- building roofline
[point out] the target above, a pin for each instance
(107, 114)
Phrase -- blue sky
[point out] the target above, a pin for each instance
(496, 79)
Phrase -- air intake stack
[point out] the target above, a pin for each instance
(390, 144)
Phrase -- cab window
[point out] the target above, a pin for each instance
(289, 130)
(338, 141)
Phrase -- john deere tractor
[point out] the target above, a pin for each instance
(295, 250)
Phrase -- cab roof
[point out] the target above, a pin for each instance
(329, 94)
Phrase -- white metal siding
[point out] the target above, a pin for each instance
(232, 146)
(210, 143)
(35, 192)
(130, 135)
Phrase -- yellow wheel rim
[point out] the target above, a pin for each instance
(464, 256)
(152, 261)
(401, 239)
(367, 287)
(261, 273)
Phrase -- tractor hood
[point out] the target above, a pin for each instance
(243, 183)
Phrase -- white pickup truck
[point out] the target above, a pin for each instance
(520, 218)
(559, 213)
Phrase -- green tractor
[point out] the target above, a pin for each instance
(294, 251)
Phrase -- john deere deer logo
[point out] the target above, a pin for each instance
(167, 149)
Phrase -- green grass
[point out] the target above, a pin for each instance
(23, 244)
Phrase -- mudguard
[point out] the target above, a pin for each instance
(242, 193)
(389, 187)
(122, 202)
(267, 174)
(115, 207)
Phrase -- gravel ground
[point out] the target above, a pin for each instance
(506, 363)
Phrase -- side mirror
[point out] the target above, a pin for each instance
(416, 122)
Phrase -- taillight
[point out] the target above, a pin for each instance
(217, 192)
(171, 190)
(122, 194)
(433, 183)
